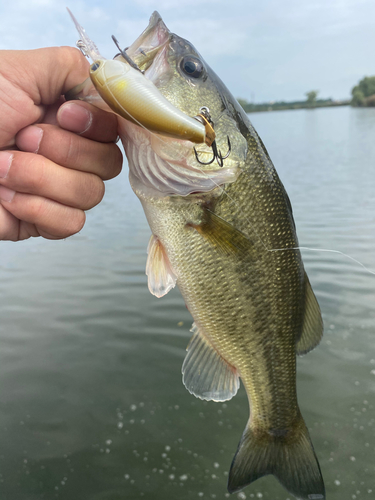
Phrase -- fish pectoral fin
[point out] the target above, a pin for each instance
(161, 277)
(223, 235)
(205, 373)
(312, 330)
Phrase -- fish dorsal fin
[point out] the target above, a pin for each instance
(161, 277)
(205, 373)
(312, 330)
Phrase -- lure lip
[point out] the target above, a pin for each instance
(88, 47)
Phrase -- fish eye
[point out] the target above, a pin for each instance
(94, 66)
(192, 66)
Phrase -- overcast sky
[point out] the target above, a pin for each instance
(262, 50)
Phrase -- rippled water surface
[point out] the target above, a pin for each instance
(91, 401)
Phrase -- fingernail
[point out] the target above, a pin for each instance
(74, 117)
(29, 139)
(5, 163)
(6, 194)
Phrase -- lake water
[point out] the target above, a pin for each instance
(92, 406)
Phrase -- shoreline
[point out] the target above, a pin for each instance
(255, 108)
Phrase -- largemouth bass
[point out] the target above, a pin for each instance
(226, 235)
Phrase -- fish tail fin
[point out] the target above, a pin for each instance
(287, 454)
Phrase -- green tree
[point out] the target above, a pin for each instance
(311, 98)
(245, 104)
(363, 92)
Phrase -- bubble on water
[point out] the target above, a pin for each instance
(352, 459)
(216, 465)
(164, 455)
(260, 495)
(241, 496)
(200, 494)
(167, 448)
(126, 476)
(107, 450)
(183, 477)
(372, 372)
(108, 442)
(120, 425)
(337, 482)
(176, 407)
(133, 407)
(171, 476)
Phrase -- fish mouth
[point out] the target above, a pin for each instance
(150, 44)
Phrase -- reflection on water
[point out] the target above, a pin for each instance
(92, 406)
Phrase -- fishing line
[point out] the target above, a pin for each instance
(180, 157)
(223, 191)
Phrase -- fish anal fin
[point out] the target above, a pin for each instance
(205, 373)
(161, 277)
(287, 454)
(312, 330)
(223, 235)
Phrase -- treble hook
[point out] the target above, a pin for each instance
(216, 154)
(204, 117)
(125, 55)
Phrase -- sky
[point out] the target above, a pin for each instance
(264, 51)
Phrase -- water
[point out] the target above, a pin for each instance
(92, 406)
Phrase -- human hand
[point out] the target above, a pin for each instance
(53, 157)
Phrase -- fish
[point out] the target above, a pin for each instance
(224, 233)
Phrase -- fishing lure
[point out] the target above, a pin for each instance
(126, 90)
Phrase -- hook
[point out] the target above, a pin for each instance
(216, 154)
(125, 55)
(204, 117)
(82, 47)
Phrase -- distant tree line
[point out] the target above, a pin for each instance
(310, 103)
(364, 93)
